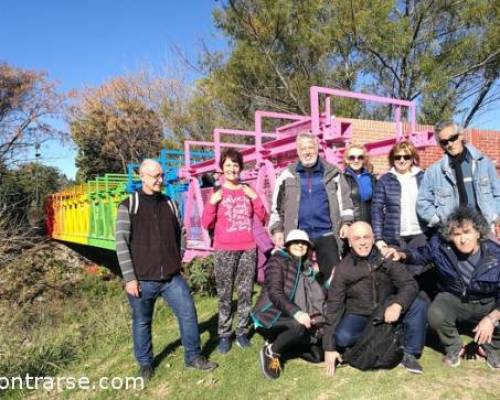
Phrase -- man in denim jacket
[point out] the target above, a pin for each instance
(463, 177)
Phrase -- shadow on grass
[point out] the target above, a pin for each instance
(210, 326)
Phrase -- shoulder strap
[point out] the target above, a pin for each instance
(174, 208)
(133, 203)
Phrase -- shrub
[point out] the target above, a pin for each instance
(200, 275)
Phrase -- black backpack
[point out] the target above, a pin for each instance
(380, 344)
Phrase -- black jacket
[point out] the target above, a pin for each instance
(282, 276)
(386, 208)
(362, 209)
(360, 284)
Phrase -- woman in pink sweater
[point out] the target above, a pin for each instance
(230, 212)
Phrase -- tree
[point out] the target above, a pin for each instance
(23, 191)
(443, 54)
(118, 123)
(28, 100)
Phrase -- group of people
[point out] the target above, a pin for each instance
(420, 244)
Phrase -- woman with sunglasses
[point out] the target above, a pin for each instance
(360, 180)
(394, 214)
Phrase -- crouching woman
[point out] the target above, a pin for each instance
(289, 309)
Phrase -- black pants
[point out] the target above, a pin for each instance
(327, 255)
(288, 336)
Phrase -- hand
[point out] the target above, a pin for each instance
(392, 254)
(279, 239)
(331, 360)
(216, 197)
(132, 288)
(392, 313)
(344, 231)
(249, 192)
(484, 331)
(303, 318)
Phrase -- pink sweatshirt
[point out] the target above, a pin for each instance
(232, 219)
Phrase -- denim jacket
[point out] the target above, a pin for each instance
(438, 193)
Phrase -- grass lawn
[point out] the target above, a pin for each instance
(239, 375)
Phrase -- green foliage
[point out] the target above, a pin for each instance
(445, 55)
(23, 190)
(200, 275)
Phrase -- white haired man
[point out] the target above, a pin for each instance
(312, 195)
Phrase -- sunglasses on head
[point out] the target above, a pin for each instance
(354, 158)
(452, 138)
(406, 157)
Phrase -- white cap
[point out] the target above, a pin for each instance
(297, 235)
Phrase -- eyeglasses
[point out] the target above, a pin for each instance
(452, 138)
(156, 177)
(406, 157)
(354, 157)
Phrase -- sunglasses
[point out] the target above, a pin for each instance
(354, 158)
(451, 139)
(406, 157)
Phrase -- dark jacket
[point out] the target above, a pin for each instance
(276, 298)
(485, 281)
(360, 284)
(362, 209)
(386, 208)
(148, 241)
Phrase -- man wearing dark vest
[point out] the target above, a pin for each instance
(148, 238)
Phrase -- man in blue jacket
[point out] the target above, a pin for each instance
(468, 266)
(464, 177)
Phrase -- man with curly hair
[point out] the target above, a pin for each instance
(468, 266)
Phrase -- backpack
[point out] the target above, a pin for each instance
(133, 205)
(380, 345)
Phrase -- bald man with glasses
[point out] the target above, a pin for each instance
(464, 177)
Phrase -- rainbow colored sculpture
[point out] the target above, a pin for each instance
(86, 213)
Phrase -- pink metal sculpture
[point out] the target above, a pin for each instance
(266, 153)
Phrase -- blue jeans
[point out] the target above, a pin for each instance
(414, 327)
(176, 294)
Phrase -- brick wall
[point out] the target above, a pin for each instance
(366, 131)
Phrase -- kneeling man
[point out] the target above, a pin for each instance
(468, 266)
(362, 281)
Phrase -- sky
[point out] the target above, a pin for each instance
(87, 42)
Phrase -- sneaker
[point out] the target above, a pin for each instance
(492, 357)
(453, 359)
(146, 372)
(411, 364)
(224, 345)
(242, 341)
(203, 364)
(270, 363)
